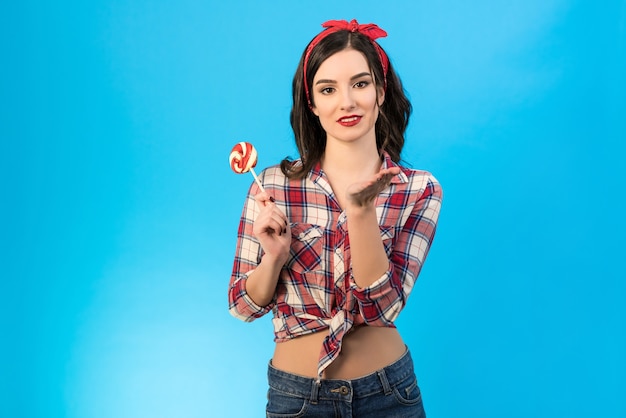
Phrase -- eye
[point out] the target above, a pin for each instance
(361, 84)
(327, 90)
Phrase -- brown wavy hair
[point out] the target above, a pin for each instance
(393, 116)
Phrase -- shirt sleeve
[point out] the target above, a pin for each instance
(381, 302)
(247, 257)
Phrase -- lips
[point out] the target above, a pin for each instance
(349, 120)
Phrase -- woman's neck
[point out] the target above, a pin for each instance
(351, 160)
(347, 164)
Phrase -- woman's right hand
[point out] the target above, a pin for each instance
(271, 227)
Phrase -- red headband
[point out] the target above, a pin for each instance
(370, 30)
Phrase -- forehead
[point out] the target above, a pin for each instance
(347, 61)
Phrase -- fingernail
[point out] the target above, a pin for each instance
(272, 199)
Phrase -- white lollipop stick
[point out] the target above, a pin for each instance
(257, 180)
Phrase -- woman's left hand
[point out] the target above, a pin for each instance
(364, 193)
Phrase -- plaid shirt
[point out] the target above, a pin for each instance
(316, 290)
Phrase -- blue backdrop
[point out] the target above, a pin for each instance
(119, 210)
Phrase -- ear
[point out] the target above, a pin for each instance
(314, 110)
(381, 96)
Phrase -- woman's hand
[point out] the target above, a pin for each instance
(363, 194)
(272, 229)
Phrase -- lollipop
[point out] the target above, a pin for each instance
(243, 158)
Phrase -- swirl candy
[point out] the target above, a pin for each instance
(243, 158)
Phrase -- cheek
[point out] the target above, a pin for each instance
(370, 101)
(323, 109)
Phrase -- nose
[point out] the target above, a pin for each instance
(347, 100)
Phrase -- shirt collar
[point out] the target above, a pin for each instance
(316, 171)
(388, 163)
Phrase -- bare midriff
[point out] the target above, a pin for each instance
(364, 350)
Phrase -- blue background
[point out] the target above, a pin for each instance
(119, 209)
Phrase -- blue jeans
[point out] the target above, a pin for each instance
(389, 392)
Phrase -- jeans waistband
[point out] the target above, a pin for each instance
(379, 381)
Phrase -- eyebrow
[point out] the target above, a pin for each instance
(354, 77)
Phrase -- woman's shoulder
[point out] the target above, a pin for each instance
(272, 171)
(418, 176)
(414, 178)
(421, 183)
(274, 175)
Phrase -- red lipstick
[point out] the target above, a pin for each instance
(349, 120)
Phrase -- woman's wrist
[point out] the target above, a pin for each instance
(356, 210)
(274, 262)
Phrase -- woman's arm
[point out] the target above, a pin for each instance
(368, 256)
(272, 229)
(416, 214)
(264, 238)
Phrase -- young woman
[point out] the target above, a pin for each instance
(334, 245)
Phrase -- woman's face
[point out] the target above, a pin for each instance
(344, 97)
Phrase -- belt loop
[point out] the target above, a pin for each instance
(315, 387)
(383, 379)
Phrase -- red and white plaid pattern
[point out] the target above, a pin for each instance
(316, 290)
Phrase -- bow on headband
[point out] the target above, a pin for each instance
(370, 30)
